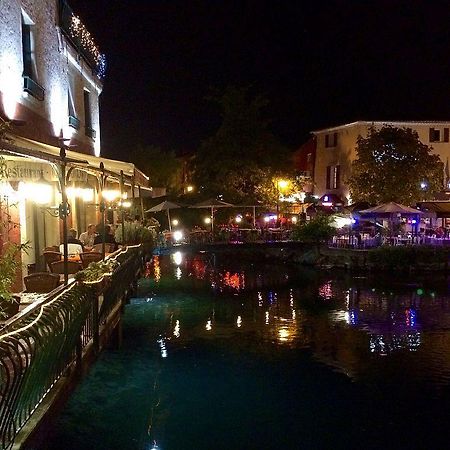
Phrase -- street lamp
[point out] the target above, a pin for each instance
(281, 185)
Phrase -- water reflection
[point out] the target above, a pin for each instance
(346, 322)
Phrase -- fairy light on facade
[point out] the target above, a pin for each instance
(79, 34)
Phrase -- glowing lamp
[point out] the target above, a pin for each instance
(110, 195)
(207, 220)
(294, 219)
(189, 188)
(238, 219)
(40, 192)
(267, 219)
(283, 184)
(175, 222)
(177, 235)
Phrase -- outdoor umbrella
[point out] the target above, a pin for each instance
(213, 204)
(387, 209)
(164, 206)
(390, 210)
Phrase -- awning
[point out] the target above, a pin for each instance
(441, 209)
(32, 149)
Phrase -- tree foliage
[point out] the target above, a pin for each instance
(162, 167)
(240, 159)
(317, 231)
(394, 165)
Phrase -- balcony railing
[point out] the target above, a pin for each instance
(90, 132)
(33, 88)
(74, 122)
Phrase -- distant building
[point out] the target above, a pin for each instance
(336, 150)
(304, 161)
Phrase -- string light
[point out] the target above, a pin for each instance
(80, 34)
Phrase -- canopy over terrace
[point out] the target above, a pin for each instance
(28, 148)
(440, 208)
(392, 210)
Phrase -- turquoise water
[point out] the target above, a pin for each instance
(222, 353)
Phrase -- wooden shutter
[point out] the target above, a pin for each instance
(335, 137)
(445, 134)
(26, 50)
(338, 177)
(327, 140)
(328, 176)
(431, 135)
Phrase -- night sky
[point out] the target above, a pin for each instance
(318, 63)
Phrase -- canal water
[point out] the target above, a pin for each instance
(223, 353)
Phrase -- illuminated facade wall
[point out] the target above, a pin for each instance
(336, 148)
(64, 76)
(43, 81)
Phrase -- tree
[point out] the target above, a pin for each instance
(317, 231)
(162, 167)
(240, 159)
(394, 165)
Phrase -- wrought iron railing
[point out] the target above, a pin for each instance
(122, 280)
(32, 87)
(34, 353)
(74, 122)
(39, 346)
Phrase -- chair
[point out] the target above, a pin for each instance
(109, 248)
(52, 248)
(58, 267)
(41, 282)
(50, 257)
(88, 257)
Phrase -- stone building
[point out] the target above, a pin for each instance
(51, 77)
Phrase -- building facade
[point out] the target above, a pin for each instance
(51, 73)
(336, 150)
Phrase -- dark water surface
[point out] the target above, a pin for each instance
(225, 354)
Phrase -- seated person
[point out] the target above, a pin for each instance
(109, 237)
(74, 245)
(87, 238)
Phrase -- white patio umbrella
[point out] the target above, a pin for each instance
(164, 206)
(212, 203)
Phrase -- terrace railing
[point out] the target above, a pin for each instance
(43, 343)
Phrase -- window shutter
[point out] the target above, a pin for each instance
(87, 110)
(26, 51)
(338, 177)
(431, 136)
(335, 137)
(327, 140)
(328, 176)
(446, 135)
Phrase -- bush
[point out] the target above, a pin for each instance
(317, 230)
(135, 233)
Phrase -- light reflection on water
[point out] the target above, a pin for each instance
(346, 322)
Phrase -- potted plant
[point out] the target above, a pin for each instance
(9, 264)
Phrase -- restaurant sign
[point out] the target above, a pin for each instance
(32, 171)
